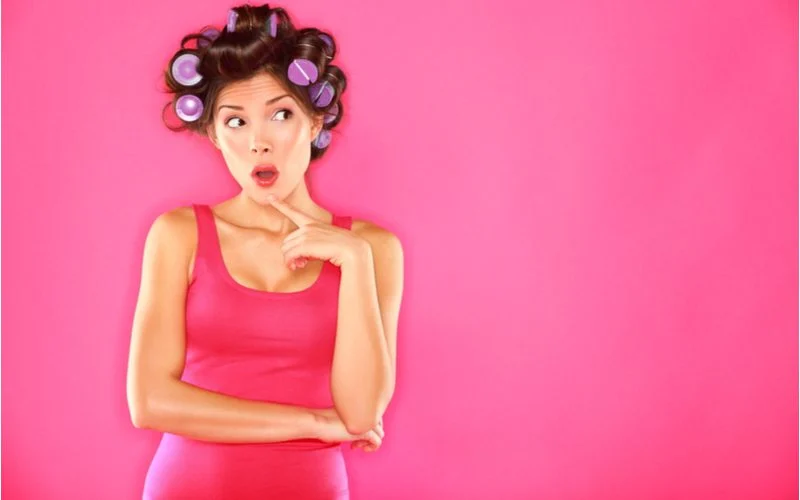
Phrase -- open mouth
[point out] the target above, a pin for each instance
(265, 175)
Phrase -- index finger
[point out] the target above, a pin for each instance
(298, 217)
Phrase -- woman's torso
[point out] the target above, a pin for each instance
(256, 345)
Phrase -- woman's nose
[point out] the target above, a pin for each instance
(258, 145)
(258, 142)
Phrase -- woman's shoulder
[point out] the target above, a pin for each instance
(180, 219)
(375, 234)
(178, 224)
(364, 227)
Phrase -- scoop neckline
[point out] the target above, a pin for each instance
(228, 277)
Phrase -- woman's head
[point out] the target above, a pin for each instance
(267, 93)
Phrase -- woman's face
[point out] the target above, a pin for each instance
(257, 122)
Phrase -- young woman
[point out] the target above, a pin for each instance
(264, 335)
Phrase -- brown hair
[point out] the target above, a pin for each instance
(249, 50)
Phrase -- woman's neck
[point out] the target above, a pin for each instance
(247, 212)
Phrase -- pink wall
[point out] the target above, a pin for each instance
(599, 211)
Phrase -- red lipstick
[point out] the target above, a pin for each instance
(265, 175)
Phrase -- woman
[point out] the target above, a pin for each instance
(264, 335)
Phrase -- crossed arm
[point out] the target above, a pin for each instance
(370, 294)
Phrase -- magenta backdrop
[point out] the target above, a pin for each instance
(599, 211)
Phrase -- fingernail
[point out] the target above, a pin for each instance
(270, 197)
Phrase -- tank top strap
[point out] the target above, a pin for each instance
(344, 221)
(206, 237)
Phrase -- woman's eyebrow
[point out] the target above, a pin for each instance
(270, 101)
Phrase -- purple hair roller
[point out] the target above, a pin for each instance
(272, 25)
(189, 107)
(232, 17)
(210, 34)
(327, 40)
(321, 93)
(184, 69)
(302, 72)
(323, 139)
(331, 114)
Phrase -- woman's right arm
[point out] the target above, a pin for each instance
(157, 398)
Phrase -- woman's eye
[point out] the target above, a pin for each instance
(229, 121)
(287, 111)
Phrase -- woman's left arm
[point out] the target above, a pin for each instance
(364, 364)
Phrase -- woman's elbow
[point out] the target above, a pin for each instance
(359, 428)
(361, 424)
(139, 407)
(139, 415)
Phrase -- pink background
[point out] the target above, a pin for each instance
(598, 206)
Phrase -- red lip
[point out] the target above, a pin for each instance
(266, 181)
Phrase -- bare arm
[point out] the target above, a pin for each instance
(157, 398)
(370, 292)
(181, 408)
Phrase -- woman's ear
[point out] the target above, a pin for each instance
(317, 126)
(212, 134)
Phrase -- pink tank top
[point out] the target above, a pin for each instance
(257, 345)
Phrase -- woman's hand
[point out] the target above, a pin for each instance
(316, 239)
(331, 429)
(367, 445)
